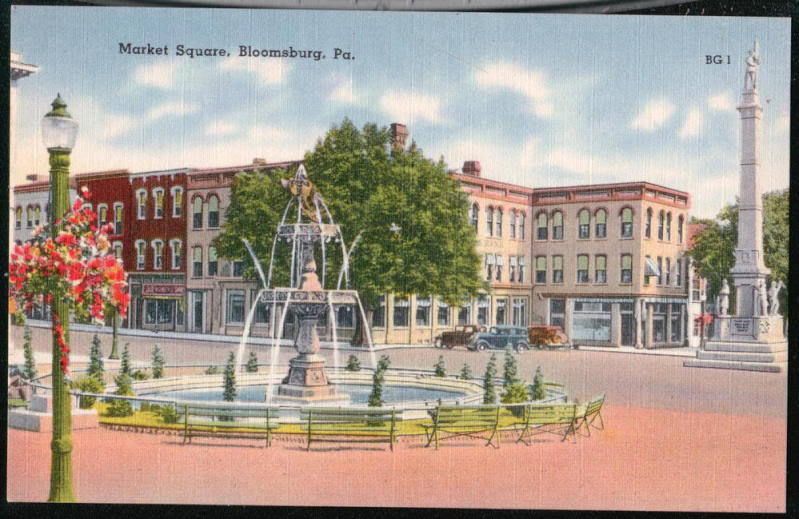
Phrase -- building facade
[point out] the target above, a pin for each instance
(609, 263)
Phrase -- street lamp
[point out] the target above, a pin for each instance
(59, 131)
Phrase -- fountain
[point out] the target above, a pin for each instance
(306, 382)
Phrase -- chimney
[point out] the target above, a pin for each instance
(472, 167)
(258, 161)
(399, 134)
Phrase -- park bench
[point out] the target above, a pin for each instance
(593, 411)
(559, 419)
(212, 420)
(454, 421)
(339, 425)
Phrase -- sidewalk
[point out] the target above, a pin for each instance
(671, 352)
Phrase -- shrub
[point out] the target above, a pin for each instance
(167, 413)
(537, 389)
(229, 393)
(212, 370)
(140, 374)
(88, 384)
(489, 391)
(376, 396)
(124, 366)
(96, 368)
(29, 370)
(252, 363)
(466, 372)
(510, 374)
(158, 362)
(516, 393)
(353, 364)
(440, 369)
(124, 385)
(119, 408)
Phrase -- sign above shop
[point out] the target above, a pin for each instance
(163, 290)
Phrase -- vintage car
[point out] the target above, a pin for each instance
(460, 336)
(499, 338)
(542, 335)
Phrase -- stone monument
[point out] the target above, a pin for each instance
(752, 338)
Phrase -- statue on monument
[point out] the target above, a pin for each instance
(752, 64)
(724, 298)
(760, 298)
(773, 295)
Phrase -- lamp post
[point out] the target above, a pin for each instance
(59, 131)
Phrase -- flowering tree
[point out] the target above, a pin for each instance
(76, 266)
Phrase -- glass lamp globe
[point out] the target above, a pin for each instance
(59, 129)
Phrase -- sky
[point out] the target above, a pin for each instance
(539, 99)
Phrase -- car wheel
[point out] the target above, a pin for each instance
(522, 347)
(481, 346)
(437, 343)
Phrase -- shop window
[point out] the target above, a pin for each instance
(235, 306)
(401, 311)
(676, 322)
(159, 311)
(658, 322)
(591, 321)
(465, 314)
(423, 311)
(502, 310)
(482, 310)
(519, 311)
(557, 313)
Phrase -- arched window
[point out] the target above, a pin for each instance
(118, 249)
(158, 254)
(584, 224)
(668, 226)
(490, 221)
(474, 215)
(661, 224)
(177, 201)
(197, 212)
(140, 254)
(648, 224)
(37, 215)
(680, 222)
(177, 253)
(118, 218)
(522, 218)
(18, 218)
(601, 217)
(213, 261)
(542, 224)
(498, 217)
(102, 214)
(141, 204)
(557, 225)
(197, 262)
(158, 206)
(213, 211)
(513, 223)
(29, 219)
(626, 223)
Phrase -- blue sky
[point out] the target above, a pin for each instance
(540, 100)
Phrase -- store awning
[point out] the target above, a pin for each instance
(651, 268)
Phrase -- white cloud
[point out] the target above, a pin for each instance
(170, 109)
(783, 123)
(269, 71)
(160, 74)
(531, 84)
(343, 92)
(409, 107)
(654, 115)
(721, 102)
(220, 128)
(692, 126)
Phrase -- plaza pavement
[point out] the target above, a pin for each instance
(676, 439)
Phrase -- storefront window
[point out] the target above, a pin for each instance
(502, 308)
(379, 313)
(443, 314)
(235, 306)
(465, 314)
(159, 311)
(422, 311)
(519, 311)
(591, 321)
(658, 322)
(401, 310)
(557, 313)
(676, 322)
(482, 310)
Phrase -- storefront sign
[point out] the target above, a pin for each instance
(163, 290)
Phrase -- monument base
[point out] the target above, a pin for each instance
(39, 416)
(307, 383)
(745, 343)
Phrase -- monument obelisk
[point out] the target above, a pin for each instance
(749, 270)
(751, 339)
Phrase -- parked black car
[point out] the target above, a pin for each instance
(499, 338)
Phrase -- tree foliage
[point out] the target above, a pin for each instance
(538, 392)
(29, 370)
(367, 187)
(158, 362)
(466, 372)
(124, 365)
(439, 367)
(510, 372)
(489, 388)
(376, 396)
(229, 392)
(714, 246)
(252, 363)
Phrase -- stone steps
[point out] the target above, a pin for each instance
(769, 367)
(779, 356)
(746, 347)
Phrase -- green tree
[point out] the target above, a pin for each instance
(714, 245)
(489, 389)
(119, 407)
(124, 366)
(466, 372)
(353, 364)
(510, 372)
(29, 370)
(538, 391)
(158, 362)
(368, 186)
(88, 384)
(229, 393)
(376, 396)
(252, 363)
(96, 368)
(439, 367)
(515, 393)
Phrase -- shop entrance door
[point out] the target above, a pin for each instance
(197, 312)
(627, 330)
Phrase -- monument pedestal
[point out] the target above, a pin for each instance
(307, 382)
(38, 416)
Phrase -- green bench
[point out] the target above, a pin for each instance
(449, 422)
(593, 412)
(339, 425)
(212, 420)
(558, 419)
